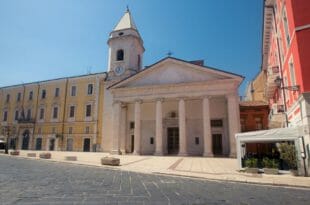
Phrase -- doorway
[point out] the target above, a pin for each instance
(217, 144)
(173, 140)
(38, 143)
(69, 144)
(86, 147)
(25, 143)
(52, 144)
(132, 143)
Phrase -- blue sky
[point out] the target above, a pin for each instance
(46, 39)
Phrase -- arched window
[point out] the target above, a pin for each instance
(120, 55)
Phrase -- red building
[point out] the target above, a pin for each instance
(286, 62)
(253, 115)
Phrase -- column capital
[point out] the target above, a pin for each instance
(181, 98)
(206, 97)
(159, 99)
(138, 100)
(232, 95)
(116, 102)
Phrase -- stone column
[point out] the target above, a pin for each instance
(123, 126)
(233, 121)
(207, 136)
(137, 131)
(182, 128)
(159, 128)
(116, 127)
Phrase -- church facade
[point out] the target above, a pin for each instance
(172, 107)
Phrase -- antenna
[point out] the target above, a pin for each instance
(169, 53)
(88, 70)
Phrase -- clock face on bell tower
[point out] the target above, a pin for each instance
(119, 70)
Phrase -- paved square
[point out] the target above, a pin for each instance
(24, 181)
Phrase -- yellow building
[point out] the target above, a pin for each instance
(255, 90)
(59, 114)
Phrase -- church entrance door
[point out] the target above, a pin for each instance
(173, 140)
(217, 144)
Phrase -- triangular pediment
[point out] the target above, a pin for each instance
(174, 71)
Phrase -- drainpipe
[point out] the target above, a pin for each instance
(35, 114)
(280, 65)
(64, 116)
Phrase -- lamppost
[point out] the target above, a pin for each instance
(7, 130)
(279, 83)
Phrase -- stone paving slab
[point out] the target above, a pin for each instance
(198, 167)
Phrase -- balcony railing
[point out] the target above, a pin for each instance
(26, 120)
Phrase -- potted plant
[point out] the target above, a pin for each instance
(251, 165)
(288, 155)
(270, 166)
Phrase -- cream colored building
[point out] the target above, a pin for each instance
(171, 107)
(59, 114)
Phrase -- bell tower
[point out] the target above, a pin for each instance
(125, 49)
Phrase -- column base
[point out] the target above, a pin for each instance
(207, 155)
(233, 155)
(159, 154)
(116, 152)
(136, 153)
(183, 154)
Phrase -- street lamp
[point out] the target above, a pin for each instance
(279, 82)
(8, 132)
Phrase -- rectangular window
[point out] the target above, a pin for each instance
(132, 125)
(72, 109)
(41, 117)
(43, 94)
(8, 98)
(55, 113)
(5, 116)
(292, 72)
(216, 123)
(90, 89)
(39, 130)
(28, 114)
(197, 140)
(259, 123)
(73, 90)
(152, 140)
(57, 92)
(286, 26)
(53, 130)
(285, 85)
(70, 130)
(16, 115)
(242, 123)
(30, 95)
(87, 130)
(88, 110)
(18, 97)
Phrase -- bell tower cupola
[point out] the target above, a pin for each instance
(125, 48)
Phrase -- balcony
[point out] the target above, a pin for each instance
(26, 121)
(271, 86)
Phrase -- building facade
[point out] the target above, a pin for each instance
(286, 47)
(60, 114)
(171, 107)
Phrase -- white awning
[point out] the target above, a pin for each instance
(272, 135)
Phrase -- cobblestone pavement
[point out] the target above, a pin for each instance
(24, 181)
